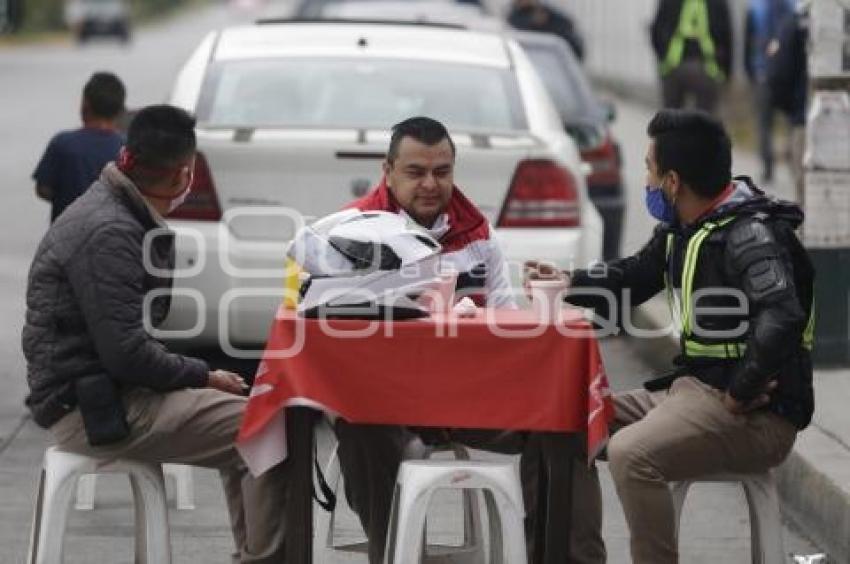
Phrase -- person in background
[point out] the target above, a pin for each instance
(692, 40)
(788, 81)
(533, 15)
(74, 159)
(764, 18)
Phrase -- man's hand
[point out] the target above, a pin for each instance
(739, 408)
(537, 270)
(227, 382)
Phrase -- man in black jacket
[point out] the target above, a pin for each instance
(98, 380)
(534, 15)
(740, 289)
(692, 40)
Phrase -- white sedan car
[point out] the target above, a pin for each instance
(293, 123)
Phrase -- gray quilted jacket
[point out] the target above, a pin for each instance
(85, 301)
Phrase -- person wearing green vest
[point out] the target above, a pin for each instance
(740, 288)
(692, 40)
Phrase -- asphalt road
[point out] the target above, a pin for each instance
(40, 95)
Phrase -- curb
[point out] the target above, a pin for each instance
(813, 497)
(814, 481)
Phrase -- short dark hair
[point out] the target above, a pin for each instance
(423, 129)
(696, 146)
(160, 137)
(104, 94)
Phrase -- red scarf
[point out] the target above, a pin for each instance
(716, 202)
(466, 223)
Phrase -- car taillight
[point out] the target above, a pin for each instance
(202, 203)
(604, 161)
(542, 194)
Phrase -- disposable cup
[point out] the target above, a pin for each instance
(443, 300)
(547, 298)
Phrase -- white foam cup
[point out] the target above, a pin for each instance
(547, 298)
(443, 299)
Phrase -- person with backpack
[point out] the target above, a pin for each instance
(740, 288)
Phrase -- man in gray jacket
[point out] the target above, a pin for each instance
(98, 380)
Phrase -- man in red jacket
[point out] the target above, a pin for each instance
(419, 184)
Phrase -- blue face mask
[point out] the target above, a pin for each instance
(658, 205)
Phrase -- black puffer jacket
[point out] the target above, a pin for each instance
(85, 301)
(756, 254)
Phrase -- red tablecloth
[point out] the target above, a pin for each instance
(501, 370)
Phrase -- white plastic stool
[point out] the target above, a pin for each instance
(184, 487)
(57, 482)
(763, 503)
(418, 480)
(472, 551)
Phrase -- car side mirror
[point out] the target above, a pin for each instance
(609, 109)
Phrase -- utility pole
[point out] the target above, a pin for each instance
(826, 196)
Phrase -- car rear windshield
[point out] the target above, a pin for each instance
(342, 93)
(564, 80)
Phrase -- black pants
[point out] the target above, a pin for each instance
(764, 116)
(690, 79)
(370, 456)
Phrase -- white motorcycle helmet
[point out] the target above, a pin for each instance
(371, 265)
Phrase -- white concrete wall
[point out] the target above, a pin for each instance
(617, 37)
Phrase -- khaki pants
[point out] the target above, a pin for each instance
(198, 427)
(675, 435)
(370, 456)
